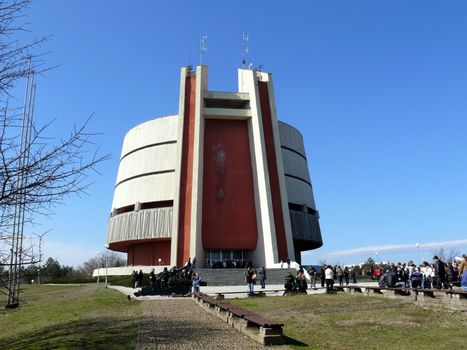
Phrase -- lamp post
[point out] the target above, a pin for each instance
(376, 260)
(98, 268)
(159, 261)
(418, 253)
(106, 262)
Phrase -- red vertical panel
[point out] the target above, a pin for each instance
(272, 168)
(186, 173)
(229, 214)
(149, 253)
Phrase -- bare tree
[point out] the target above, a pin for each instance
(37, 170)
(446, 255)
(112, 259)
(15, 56)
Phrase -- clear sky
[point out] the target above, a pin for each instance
(377, 88)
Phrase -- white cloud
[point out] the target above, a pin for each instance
(397, 248)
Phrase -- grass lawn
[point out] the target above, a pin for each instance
(342, 321)
(70, 317)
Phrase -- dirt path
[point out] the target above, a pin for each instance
(181, 324)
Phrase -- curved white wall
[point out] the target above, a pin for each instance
(147, 164)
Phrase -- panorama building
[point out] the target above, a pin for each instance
(221, 180)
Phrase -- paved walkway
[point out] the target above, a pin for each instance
(182, 324)
(232, 291)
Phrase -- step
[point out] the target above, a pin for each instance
(236, 277)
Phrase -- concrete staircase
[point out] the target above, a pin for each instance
(235, 277)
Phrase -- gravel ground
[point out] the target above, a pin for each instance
(182, 324)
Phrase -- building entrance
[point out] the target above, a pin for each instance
(218, 259)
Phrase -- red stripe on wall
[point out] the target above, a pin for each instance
(148, 253)
(186, 173)
(272, 168)
(229, 215)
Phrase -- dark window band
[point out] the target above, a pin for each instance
(298, 178)
(145, 174)
(148, 146)
(294, 151)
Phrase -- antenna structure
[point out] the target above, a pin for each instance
(245, 49)
(202, 48)
(17, 251)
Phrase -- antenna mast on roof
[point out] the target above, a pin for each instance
(245, 49)
(202, 48)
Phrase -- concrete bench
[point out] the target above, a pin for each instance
(352, 289)
(262, 330)
(373, 290)
(338, 288)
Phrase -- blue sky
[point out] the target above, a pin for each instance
(378, 89)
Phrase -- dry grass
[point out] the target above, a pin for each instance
(359, 322)
(70, 317)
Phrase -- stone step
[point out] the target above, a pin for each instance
(235, 277)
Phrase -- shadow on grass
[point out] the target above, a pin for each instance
(294, 342)
(95, 333)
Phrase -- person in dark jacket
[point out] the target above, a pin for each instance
(353, 274)
(152, 279)
(322, 275)
(262, 277)
(346, 275)
(249, 272)
(440, 273)
(140, 279)
(416, 278)
(289, 283)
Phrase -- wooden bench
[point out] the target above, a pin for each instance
(239, 311)
(206, 298)
(258, 328)
(460, 293)
(263, 322)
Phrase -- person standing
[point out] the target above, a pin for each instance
(346, 275)
(340, 275)
(353, 274)
(322, 275)
(440, 273)
(329, 278)
(301, 281)
(195, 280)
(152, 279)
(463, 273)
(249, 272)
(140, 279)
(312, 273)
(262, 277)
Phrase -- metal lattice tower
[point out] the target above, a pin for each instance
(17, 252)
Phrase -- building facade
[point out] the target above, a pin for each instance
(221, 180)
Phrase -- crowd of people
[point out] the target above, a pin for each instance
(329, 274)
(438, 274)
(169, 277)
